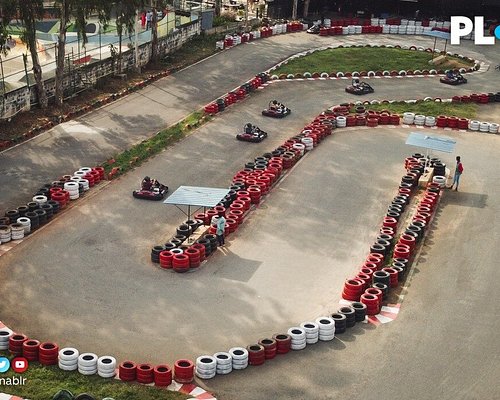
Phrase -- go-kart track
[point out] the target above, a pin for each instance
(85, 280)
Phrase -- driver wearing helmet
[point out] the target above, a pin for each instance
(450, 75)
(355, 82)
(248, 128)
(274, 105)
(146, 184)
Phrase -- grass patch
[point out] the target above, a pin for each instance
(366, 59)
(194, 50)
(149, 147)
(429, 108)
(43, 382)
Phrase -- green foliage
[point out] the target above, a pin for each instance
(429, 108)
(147, 148)
(43, 382)
(224, 19)
(364, 59)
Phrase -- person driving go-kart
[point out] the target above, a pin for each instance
(275, 105)
(451, 75)
(355, 82)
(146, 183)
(249, 128)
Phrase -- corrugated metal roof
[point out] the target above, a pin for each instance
(196, 196)
(438, 143)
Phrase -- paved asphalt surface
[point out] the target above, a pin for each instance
(85, 280)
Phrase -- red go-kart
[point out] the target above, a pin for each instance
(276, 110)
(252, 133)
(151, 189)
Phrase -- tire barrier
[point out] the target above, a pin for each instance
(256, 354)
(31, 349)
(15, 344)
(206, 367)
(340, 323)
(326, 328)
(184, 371)
(127, 371)
(68, 359)
(360, 310)
(224, 363)
(239, 356)
(48, 353)
(298, 336)
(162, 375)
(283, 343)
(270, 347)
(144, 374)
(87, 364)
(106, 367)
(350, 316)
(312, 332)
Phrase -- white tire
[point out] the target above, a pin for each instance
(68, 354)
(493, 128)
(73, 363)
(89, 368)
(238, 353)
(224, 371)
(325, 323)
(68, 368)
(203, 375)
(87, 360)
(298, 347)
(206, 363)
(310, 327)
(223, 358)
(312, 340)
(240, 366)
(106, 363)
(87, 372)
(110, 374)
(297, 333)
(326, 338)
(299, 342)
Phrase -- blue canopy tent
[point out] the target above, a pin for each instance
(438, 35)
(195, 196)
(428, 142)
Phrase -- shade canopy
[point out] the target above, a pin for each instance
(438, 34)
(438, 143)
(196, 196)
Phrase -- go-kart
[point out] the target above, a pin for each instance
(457, 79)
(278, 111)
(314, 29)
(361, 88)
(157, 192)
(257, 135)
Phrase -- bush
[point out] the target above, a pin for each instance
(224, 19)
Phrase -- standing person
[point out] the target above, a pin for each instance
(149, 18)
(221, 225)
(143, 20)
(459, 168)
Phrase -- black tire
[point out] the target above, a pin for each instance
(84, 396)
(63, 395)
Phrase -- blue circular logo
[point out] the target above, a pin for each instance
(497, 32)
(4, 365)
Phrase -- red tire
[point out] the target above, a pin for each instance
(145, 373)
(184, 371)
(162, 375)
(283, 343)
(127, 371)
(256, 354)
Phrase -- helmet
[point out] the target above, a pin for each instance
(248, 125)
(147, 178)
(275, 101)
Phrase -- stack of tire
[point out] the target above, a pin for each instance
(299, 338)
(48, 353)
(145, 374)
(312, 331)
(87, 364)
(256, 354)
(68, 359)
(31, 349)
(224, 363)
(127, 371)
(184, 371)
(162, 375)
(239, 356)
(16, 341)
(106, 367)
(326, 328)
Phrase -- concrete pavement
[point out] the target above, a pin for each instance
(90, 139)
(86, 281)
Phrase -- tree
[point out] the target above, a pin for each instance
(156, 5)
(126, 20)
(28, 12)
(77, 11)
